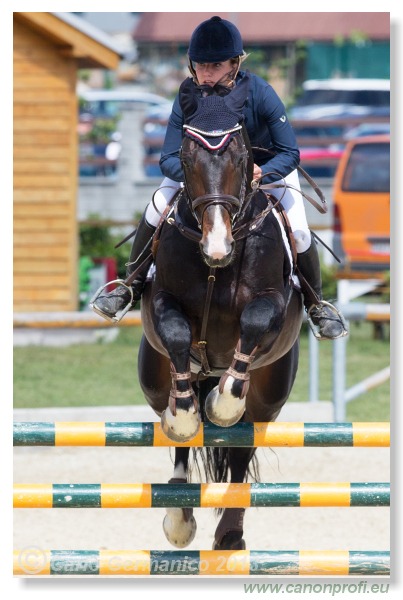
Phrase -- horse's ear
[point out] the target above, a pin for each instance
(237, 98)
(188, 99)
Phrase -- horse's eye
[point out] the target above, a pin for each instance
(186, 161)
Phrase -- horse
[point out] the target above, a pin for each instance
(221, 314)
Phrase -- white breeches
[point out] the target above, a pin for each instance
(292, 201)
(293, 204)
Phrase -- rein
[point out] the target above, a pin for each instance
(322, 208)
(202, 343)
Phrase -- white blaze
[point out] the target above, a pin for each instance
(216, 246)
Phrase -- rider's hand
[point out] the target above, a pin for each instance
(257, 172)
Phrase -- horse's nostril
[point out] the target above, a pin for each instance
(218, 255)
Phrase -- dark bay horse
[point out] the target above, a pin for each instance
(221, 316)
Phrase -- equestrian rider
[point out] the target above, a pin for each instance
(215, 55)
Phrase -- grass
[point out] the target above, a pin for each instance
(105, 374)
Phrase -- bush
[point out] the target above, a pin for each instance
(98, 241)
(329, 282)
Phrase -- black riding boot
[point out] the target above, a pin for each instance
(324, 315)
(110, 304)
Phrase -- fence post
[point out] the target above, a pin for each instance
(313, 367)
(339, 378)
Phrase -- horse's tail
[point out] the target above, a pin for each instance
(215, 461)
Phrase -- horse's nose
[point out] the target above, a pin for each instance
(217, 241)
(218, 252)
(216, 245)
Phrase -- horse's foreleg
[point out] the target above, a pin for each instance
(229, 532)
(181, 419)
(264, 315)
(179, 523)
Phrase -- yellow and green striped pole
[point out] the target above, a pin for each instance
(202, 495)
(240, 435)
(35, 561)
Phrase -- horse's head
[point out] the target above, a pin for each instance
(215, 163)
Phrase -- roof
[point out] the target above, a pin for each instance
(91, 47)
(111, 22)
(88, 29)
(347, 84)
(266, 27)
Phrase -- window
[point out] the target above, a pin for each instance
(380, 98)
(368, 169)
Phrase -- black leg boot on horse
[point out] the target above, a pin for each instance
(325, 320)
(114, 305)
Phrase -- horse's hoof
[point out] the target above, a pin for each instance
(182, 427)
(238, 545)
(179, 532)
(224, 409)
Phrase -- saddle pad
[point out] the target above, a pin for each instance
(287, 247)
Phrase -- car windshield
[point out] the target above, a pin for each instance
(358, 97)
(368, 169)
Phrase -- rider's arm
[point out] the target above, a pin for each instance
(283, 140)
(170, 161)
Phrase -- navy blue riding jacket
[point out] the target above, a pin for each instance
(267, 126)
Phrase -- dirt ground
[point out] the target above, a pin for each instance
(265, 528)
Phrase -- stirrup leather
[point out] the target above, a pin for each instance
(120, 313)
(315, 329)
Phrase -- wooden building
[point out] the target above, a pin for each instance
(49, 48)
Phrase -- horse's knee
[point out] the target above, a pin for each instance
(262, 315)
(173, 329)
(175, 334)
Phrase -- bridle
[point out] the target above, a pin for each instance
(236, 206)
(231, 203)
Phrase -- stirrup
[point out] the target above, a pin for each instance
(315, 329)
(120, 313)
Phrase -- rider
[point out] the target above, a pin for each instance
(215, 55)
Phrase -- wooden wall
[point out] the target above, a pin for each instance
(45, 175)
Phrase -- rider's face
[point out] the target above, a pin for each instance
(212, 73)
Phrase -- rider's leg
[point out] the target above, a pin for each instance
(111, 303)
(327, 320)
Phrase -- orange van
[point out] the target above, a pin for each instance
(361, 205)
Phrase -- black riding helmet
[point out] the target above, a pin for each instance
(215, 40)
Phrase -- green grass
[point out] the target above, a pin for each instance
(105, 374)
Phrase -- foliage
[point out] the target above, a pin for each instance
(257, 62)
(85, 263)
(385, 292)
(329, 281)
(101, 131)
(84, 75)
(98, 241)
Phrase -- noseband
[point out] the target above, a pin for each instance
(228, 201)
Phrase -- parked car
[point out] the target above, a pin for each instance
(103, 100)
(327, 110)
(337, 98)
(366, 129)
(361, 204)
(99, 115)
